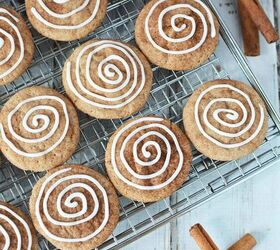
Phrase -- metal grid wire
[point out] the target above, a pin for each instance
(277, 25)
(169, 93)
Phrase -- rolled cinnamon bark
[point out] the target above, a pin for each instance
(258, 16)
(247, 242)
(202, 238)
(250, 32)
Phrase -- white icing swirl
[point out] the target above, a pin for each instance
(3, 18)
(230, 114)
(128, 60)
(1, 42)
(9, 219)
(177, 7)
(75, 181)
(153, 122)
(35, 122)
(70, 14)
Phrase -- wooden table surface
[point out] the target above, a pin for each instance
(253, 206)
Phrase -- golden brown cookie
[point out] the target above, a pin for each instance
(16, 229)
(74, 207)
(16, 45)
(177, 34)
(147, 159)
(39, 129)
(65, 20)
(107, 79)
(225, 119)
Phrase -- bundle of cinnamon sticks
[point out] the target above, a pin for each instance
(254, 20)
(205, 242)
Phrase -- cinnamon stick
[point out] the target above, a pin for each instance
(247, 242)
(258, 16)
(250, 32)
(202, 238)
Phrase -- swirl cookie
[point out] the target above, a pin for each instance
(16, 230)
(148, 158)
(74, 207)
(107, 79)
(65, 20)
(177, 34)
(36, 132)
(16, 45)
(225, 119)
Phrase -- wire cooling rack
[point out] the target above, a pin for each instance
(170, 91)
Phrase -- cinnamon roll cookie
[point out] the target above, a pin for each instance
(148, 158)
(74, 207)
(16, 45)
(39, 129)
(177, 34)
(65, 20)
(16, 229)
(225, 119)
(107, 79)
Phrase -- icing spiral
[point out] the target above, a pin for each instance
(9, 19)
(33, 112)
(71, 14)
(113, 96)
(169, 8)
(10, 217)
(146, 140)
(61, 178)
(230, 114)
